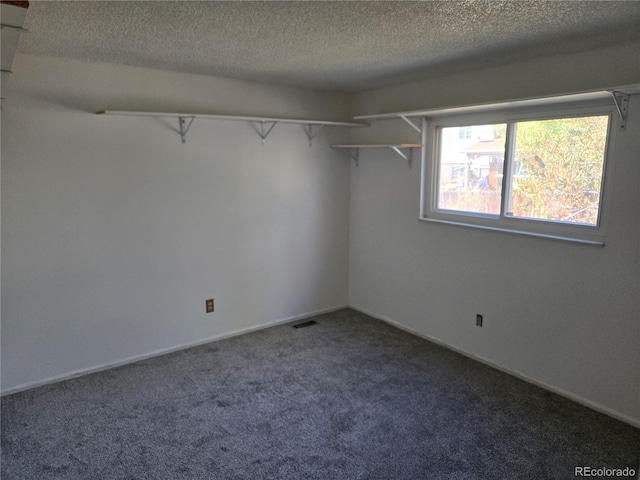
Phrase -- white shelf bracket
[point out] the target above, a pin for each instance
(406, 156)
(263, 125)
(411, 124)
(308, 129)
(184, 127)
(622, 104)
(264, 131)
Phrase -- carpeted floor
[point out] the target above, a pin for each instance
(348, 398)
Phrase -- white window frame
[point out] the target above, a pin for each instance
(581, 233)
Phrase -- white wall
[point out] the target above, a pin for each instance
(561, 314)
(114, 233)
(554, 75)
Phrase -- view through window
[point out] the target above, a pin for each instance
(554, 169)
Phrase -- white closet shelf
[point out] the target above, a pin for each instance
(397, 147)
(234, 117)
(266, 123)
(386, 145)
(526, 102)
(13, 16)
(619, 95)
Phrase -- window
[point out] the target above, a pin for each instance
(464, 132)
(524, 171)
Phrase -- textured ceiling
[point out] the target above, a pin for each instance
(348, 46)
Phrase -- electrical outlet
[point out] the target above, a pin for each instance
(209, 304)
(478, 320)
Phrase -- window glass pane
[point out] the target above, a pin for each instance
(470, 168)
(557, 169)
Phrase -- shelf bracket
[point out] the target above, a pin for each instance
(406, 156)
(308, 129)
(355, 155)
(411, 124)
(184, 127)
(265, 130)
(622, 104)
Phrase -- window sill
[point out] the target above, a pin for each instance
(595, 243)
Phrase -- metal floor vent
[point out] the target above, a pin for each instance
(304, 324)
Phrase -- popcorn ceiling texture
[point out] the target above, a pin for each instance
(348, 46)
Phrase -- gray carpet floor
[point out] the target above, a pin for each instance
(348, 398)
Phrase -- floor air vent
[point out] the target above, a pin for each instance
(304, 324)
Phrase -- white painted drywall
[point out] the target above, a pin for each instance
(114, 233)
(562, 314)
(554, 75)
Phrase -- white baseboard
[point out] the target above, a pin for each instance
(564, 393)
(136, 358)
(163, 351)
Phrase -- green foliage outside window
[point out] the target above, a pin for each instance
(559, 166)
